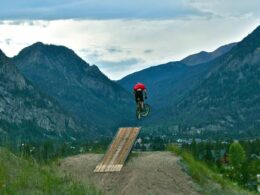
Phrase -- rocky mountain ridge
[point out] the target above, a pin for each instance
(24, 111)
(81, 89)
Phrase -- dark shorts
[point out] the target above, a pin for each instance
(139, 96)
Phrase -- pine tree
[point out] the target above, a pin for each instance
(236, 155)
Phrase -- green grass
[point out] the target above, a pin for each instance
(209, 181)
(26, 177)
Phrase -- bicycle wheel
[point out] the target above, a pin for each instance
(146, 111)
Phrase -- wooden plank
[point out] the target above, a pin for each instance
(118, 150)
(108, 156)
(127, 147)
(113, 147)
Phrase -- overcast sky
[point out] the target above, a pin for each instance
(121, 36)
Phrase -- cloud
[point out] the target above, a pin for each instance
(91, 53)
(25, 23)
(119, 64)
(147, 51)
(123, 37)
(115, 69)
(92, 9)
(114, 50)
(227, 8)
(8, 41)
(122, 9)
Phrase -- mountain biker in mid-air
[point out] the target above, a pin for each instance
(140, 92)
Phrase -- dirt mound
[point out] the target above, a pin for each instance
(145, 173)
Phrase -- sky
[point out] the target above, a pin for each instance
(122, 37)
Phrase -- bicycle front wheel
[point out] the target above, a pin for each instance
(146, 111)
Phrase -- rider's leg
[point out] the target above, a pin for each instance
(142, 105)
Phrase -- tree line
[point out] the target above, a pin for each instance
(236, 160)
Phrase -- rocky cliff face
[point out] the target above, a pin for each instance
(79, 88)
(24, 110)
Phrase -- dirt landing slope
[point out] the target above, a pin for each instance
(148, 173)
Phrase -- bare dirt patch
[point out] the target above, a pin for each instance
(145, 173)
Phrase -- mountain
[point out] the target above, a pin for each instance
(220, 94)
(170, 82)
(165, 83)
(229, 97)
(204, 57)
(80, 89)
(26, 113)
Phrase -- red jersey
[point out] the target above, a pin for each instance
(139, 86)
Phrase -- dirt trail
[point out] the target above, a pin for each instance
(148, 173)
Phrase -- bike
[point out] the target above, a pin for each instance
(142, 112)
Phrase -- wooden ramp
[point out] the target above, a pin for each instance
(118, 151)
